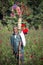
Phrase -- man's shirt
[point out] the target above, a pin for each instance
(15, 40)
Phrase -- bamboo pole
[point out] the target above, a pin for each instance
(19, 54)
(19, 27)
(19, 23)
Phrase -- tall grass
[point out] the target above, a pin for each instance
(33, 52)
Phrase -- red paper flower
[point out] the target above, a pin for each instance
(25, 31)
(23, 25)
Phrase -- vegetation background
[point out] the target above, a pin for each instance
(33, 18)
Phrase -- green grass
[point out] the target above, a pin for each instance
(33, 52)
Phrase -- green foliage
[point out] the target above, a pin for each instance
(36, 8)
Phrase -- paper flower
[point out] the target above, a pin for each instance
(25, 31)
(18, 10)
(14, 6)
(23, 25)
(12, 14)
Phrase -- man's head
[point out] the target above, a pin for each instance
(15, 29)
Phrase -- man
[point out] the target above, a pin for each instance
(17, 45)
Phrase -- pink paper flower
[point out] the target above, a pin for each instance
(18, 10)
(12, 14)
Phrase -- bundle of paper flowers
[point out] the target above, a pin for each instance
(17, 9)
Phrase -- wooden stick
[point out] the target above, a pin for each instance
(19, 23)
(19, 52)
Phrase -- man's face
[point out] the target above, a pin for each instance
(15, 30)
